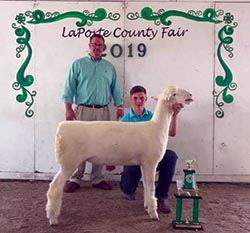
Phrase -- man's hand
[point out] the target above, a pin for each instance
(177, 108)
(70, 115)
(120, 112)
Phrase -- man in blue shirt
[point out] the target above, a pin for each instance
(91, 84)
(132, 174)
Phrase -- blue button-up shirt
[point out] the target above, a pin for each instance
(92, 82)
(132, 117)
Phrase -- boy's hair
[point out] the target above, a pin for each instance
(136, 89)
(97, 36)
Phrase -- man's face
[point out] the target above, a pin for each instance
(138, 101)
(96, 47)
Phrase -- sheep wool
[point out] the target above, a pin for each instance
(112, 142)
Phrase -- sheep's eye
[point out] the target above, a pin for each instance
(174, 94)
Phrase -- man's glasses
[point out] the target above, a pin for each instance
(97, 45)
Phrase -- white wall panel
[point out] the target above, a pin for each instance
(215, 1)
(232, 137)
(54, 53)
(189, 59)
(17, 131)
(187, 62)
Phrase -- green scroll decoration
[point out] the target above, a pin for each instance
(24, 81)
(225, 37)
(160, 17)
(226, 81)
(23, 39)
(86, 18)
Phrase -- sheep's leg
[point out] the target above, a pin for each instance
(150, 202)
(145, 188)
(55, 194)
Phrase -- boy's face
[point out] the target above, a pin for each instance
(138, 101)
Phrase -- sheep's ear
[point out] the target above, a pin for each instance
(154, 97)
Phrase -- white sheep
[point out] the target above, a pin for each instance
(112, 142)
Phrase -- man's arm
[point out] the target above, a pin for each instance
(70, 114)
(116, 93)
(174, 121)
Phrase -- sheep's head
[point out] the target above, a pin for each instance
(174, 95)
(177, 95)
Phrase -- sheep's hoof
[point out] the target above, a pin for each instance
(53, 221)
(153, 215)
(53, 218)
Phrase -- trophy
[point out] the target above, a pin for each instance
(189, 181)
(187, 189)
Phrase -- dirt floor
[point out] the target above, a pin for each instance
(224, 208)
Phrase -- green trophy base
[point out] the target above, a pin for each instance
(187, 225)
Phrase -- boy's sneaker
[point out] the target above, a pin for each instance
(130, 197)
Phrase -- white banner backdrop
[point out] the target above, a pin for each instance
(155, 44)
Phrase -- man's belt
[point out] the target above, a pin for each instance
(93, 106)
